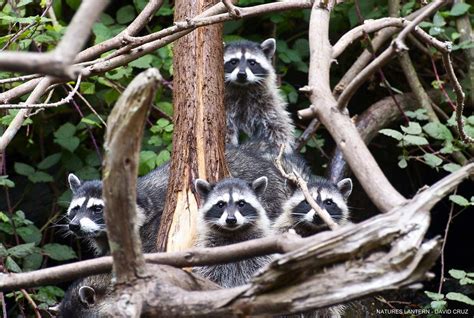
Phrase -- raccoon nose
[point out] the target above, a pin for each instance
(231, 220)
(74, 227)
(241, 75)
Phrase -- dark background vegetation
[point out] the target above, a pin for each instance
(68, 138)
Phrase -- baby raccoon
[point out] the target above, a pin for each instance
(86, 210)
(298, 214)
(257, 157)
(253, 102)
(230, 213)
(85, 297)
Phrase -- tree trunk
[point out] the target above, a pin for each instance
(199, 125)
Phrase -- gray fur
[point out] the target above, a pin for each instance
(257, 108)
(210, 233)
(84, 298)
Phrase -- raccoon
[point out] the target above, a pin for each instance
(230, 213)
(85, 212)
(258, 157)
(253, 103)
(84, 298)
(298, 214)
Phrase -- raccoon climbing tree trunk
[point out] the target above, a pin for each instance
(199, 125)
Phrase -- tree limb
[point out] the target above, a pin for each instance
(339, 125)
(125, 126)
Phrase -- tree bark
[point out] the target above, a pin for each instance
(199, 119)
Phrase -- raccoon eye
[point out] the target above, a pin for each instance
(252, 62)
(241, 203)
(96, 209)
(328, 202)
(221, 204)
(234, 61)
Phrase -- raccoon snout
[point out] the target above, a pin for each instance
(231, 220)
(241, 76)
(74, 227)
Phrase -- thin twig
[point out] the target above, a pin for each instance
(233, 10)
(448, 64)
(63, 101)
(19, 78)
(297, 179)
(31, 302)
(4, 305)
(445, 238)
(88, 105)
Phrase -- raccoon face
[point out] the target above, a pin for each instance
(248, 62)
(232, 204)
(86, 211)
(328, 196)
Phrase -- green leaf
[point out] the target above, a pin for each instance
(451, 167)
(12, 265)
(49, 161)
(415, 140)
(101, 32)
(459, 200)
(7, 228)
(392, 133)
(402, 163)
(5, 182)
(459, 9)
(3, 251)
(466, 281)
(163, 156)
(125, 14)
(65, 131)
(438, 131)
(23, 169)
(69, 143)
(87, 88)
(21, 250)
(7, 119)
(59, 252)
(432, 160)
(460, 298)
(165, 107)
(88, 173)
(4, 217)
(40, 176)
(413, 128)
(142, 62)
(434, 296)
(32, 262)
(29, 234)
(456, 273)
(438, 304)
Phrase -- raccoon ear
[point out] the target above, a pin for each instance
(202, 187)
(74, 182)
(260, 185)
(87, 295)
(345, 186)
(268, 46)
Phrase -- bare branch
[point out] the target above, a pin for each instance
(125, 127)
(63, 101)
(16, 123)
(189, 258)
(339, 125)
(57, 62)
